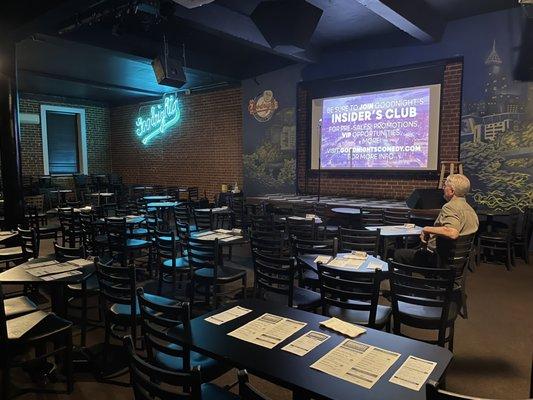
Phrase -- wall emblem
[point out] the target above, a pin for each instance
(263, 106)
(161, 117)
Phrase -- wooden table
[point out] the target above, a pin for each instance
(294, 372)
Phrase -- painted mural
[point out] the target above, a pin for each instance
(497, 137)
(269, 128)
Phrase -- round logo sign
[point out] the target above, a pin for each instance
(263, 106)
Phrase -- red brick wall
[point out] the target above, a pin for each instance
(97, 129)
(204, 149)
(385, 185)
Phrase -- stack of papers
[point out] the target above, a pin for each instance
(344, 328)
(268, 330)
(60, 275)
(228, 315)
(52, 269)
(357, 362)
(346, 262)
(322, 259)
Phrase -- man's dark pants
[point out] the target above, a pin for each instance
(419, 258)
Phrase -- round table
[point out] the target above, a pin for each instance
(352, 215)
(366, 266)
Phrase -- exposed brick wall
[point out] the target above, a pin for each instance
(97, 130)
(385, 185)
(204, 149)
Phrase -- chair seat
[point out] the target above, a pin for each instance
(138, 232)
(132, 244)
(17, 306)
(91, 285)
(425, 312)
(48, 326)
(124, 310)
(360, 317)
(225, 274)
(210, 368)
(11, 252)
(213, 392)
(301, 298)
(181, 262)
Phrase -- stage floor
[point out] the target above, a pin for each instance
(330, 201)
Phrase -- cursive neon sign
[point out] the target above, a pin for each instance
(162, 116)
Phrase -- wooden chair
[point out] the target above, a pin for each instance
(162, 350)
(353, 296)
(39, 223)
(209, 272)
(274, 281)
(423, 298)
(359, 240)
(150, 382)
(246, 390)
(50, 329)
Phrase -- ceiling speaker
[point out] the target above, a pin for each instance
(287, 22)
(169, 71)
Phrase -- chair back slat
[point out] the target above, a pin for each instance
(274, 274)
(359, 240)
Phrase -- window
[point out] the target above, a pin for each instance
(64, 140)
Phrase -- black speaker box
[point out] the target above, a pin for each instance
(287, 22)
(426, 199)
(169, 71)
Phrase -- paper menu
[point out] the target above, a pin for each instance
(60, 275)
(322, 259)
(51, 269)
(268, 330)
(343, 327)
(80, 262)
(228, 315)
(357, 362)
(305, 343)
(201, 234)
(337, 262)
(231, 238)
(40, 264)
(413, 373)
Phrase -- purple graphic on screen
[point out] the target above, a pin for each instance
(376, 130)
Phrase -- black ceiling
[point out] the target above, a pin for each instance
(102, 49)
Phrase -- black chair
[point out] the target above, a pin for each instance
(423, 298)
(498, 242)
(150, 382)
(50, 329)
(523, 236)
(39, 222)
(209, 272)
(269, 242)
(28, 247)
(274, 281)
(203, 219)
(120, 246)
(78, 291)
(182, 214)
(193, 193)
(307, 277)
(70, 226)
(94, 241)
(246, 390)
(359, 240)
(395, 216)
(433, 392)
(162, 349)
(457, 255)
(118, 301)
(353, 296)
(302, 209)
(371, 216)
(170, 264)
(301, 229)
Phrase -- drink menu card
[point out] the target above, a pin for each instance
(357, 362)
(413, 373)
(228, 315)
(268, 330)
(305, 343)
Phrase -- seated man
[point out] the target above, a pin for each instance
(455, 219)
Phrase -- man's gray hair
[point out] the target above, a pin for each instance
(459, 183)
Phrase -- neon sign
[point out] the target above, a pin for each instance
(162, 116)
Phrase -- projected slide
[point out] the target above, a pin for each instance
(381, 130)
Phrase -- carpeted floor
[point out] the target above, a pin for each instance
(492, 351)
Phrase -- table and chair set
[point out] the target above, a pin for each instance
(304, 268)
